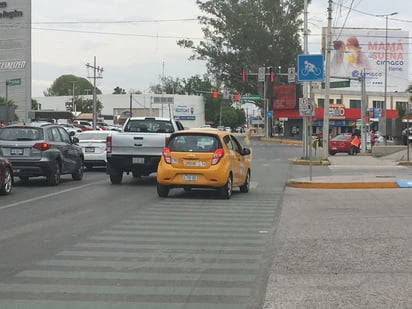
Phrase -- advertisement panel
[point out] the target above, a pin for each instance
(184, 112)
(284, 96)
(358, 49)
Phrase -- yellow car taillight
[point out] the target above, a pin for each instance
(217, 155)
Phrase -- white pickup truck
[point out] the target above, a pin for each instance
(138, 148)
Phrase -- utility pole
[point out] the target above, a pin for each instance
(130, 105)
(363, 111)
(327, 85)
(7, 91)
(99, 71)
(305, 84)
(73, 98)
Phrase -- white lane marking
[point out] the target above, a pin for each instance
(47, 195)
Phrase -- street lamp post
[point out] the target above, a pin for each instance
(386, 75)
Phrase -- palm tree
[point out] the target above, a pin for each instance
(9, 104)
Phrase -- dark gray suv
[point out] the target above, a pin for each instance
(42, 149)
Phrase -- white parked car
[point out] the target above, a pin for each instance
(71, 129)
(93, 144)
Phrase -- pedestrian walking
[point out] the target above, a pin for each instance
(355, 144)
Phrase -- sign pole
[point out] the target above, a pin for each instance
(310, 141)
(7, 90)
(327, 85)
(363, 111)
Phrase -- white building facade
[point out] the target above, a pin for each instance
(190, 110)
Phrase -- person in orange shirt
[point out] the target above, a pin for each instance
(356, 143)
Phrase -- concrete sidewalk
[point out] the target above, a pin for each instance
(361, 172)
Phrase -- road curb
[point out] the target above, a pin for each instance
(308, 162)
(281, 141)
(343, 185)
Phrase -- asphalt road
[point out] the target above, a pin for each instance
(90, 244)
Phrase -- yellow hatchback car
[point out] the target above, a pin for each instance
(204, 158)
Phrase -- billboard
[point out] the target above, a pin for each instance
(284, 96)
(356, 50)
(15, 54)
(184, 112)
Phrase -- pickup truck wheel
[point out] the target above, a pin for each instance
(53, 178)
(162, 190)
(116, 179)
(226, 190)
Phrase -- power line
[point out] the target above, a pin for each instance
(112, 21)
(118, 34)
(373, 15)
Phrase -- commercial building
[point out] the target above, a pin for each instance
(15, 55)
(190, 110)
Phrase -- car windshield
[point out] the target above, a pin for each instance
(93, 136)
(21, 134)
(193, 142)
(341, 137)
(149, 125)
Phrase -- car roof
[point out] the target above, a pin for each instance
(203, 131)
(103, 132)
(31, 124)
(150, 118)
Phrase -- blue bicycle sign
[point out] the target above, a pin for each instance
(310, 67)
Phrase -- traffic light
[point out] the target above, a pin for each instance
(236, 96)
(243, 74)
(215, 93)
(271, 75)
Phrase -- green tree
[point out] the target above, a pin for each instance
(63, 86)
(86, 106)
(119, 90)
(196, 85)
(35, 105)
(8, 102)
(409, 90)
(10, 106)
(248, 34)
(168, 85)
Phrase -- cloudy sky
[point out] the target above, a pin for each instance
(134, 41)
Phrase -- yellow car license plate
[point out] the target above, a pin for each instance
(189, 177)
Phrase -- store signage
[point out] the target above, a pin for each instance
(12, 65)
(9, 14)
(336, 111)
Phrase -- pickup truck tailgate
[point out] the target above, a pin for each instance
(146, 144)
